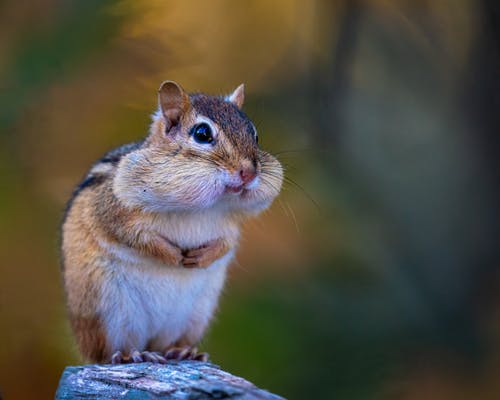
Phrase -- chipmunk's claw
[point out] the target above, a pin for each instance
(185, 353)
(117, 358)
(203, 357)
(136, 356)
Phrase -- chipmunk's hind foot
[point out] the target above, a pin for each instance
(185, 353)
(136, 356)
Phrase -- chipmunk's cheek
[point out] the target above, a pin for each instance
(202, 194)
(260, 193)
(213, 193)
(253, 185)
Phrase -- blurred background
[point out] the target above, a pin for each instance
(373, 276)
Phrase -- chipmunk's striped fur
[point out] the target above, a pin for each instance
(150, 231)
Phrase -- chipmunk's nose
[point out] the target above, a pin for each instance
(248, 172)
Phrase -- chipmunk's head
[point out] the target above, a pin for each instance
(202, 152)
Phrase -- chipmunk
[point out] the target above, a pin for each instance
(149, 233)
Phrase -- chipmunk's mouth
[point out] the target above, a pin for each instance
(242, 188)
(234, 189)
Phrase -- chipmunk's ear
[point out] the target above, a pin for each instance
(238, 96)
(173, 102)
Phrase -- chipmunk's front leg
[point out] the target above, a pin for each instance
(154, 245)
(162, 248)
(205, 255)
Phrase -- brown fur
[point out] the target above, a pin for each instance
(237, 128)
(91, 338)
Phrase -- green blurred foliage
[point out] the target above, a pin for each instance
(373, 276)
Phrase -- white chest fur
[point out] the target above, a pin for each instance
(191, 230)
(146, 304)
(155, 304)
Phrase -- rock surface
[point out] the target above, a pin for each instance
(187, 380)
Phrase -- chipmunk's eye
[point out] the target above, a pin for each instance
(202, 133)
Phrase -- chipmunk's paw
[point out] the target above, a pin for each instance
(136, 356)
(185, 353)
(205, 255)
